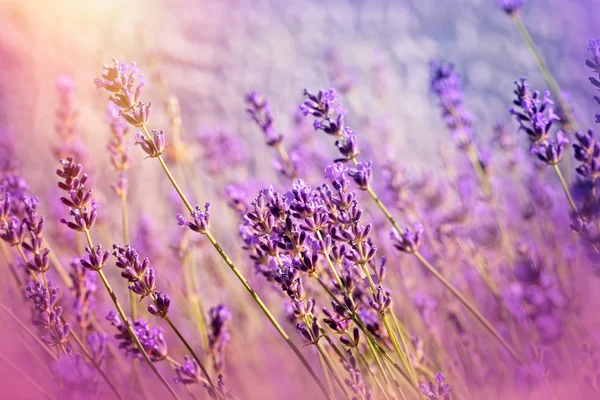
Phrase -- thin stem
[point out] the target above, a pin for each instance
(189, 348)
(266, 311)
(544, 70)
(337, 379)
(134, 336)
(125, 320)
(565, 188)
(447, 283)
(95, 364)
(476, 313)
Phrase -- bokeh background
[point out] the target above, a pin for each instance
(212, 52)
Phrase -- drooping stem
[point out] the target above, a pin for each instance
(125, 320)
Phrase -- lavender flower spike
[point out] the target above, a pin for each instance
(510, 6)
(408, 241)
(201, 221)
(442, 392)
(594, 64)
(218, 336)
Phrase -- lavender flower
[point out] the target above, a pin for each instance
(329, 118)
(189, 372)
(151, 338)
(355, 381)
(362, 174)
(594, 64)
(534, 113)
(551, 152)
(66, 125)
(82, 208)
(125, 83)
(83, 289)
(587, 152)
(153, 148)
(47, 314)
(510, 7)
(120, 159)
(441, 392)
(141, 277)
(201, 222)
(445, 84)
(218, 336)
(408, 241)
(260, 112)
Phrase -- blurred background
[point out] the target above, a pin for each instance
(210, 53)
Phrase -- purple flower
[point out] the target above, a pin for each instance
(189, 372)
(161, 304)
(125, 84)
(153, 148)
(551, 152)
(362, 174)
(201, 222)
(441, 392)
(83, 289)
(151, 338)
(354, 380)
(259, 110)
(409, 240)
(445, 84)
(587, 152)
(534, 113)
(594, 64)
(97, 259)
(510, 6)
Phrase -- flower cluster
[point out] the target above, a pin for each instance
(151, 338)
(329, 118)
(510, 6)
(120, 159)
(83, 288)
(47, 314)
(201, 222)
(69, 144)
(594, 64)
(446, 86)
(219, 317)
(355, 381)
(83, 209)
(535, 115)
(142, 278)
(259, 110)
(441, 392)
(125, 83)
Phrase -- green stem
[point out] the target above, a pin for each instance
(189, 348)
(565, 188)
(474, 311)
(266, 311)
(544, 70)
(447, 283)
(125, 320)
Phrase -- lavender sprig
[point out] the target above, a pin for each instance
(594, 64)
